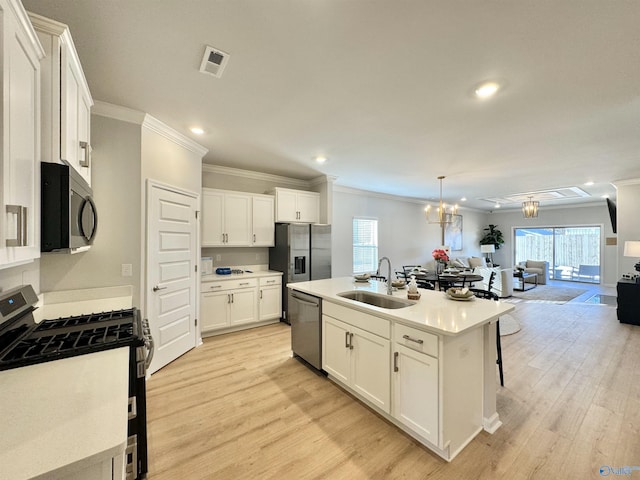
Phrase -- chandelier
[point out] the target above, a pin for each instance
(530, 208)
(442, 216)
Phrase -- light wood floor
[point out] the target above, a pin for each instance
(240, 408)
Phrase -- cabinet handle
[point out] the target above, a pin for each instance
(418, 341)
(243, 283)
(395, 361)
(211, 287)
(346, 339)
(254, 238)
(86, 158)
(271, 281)
(22, 214)
(228, 298)
(351, 341)
(232, 298)
(260, 294)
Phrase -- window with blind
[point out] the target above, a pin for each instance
(365, 245)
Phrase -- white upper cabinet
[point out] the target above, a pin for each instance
(263, 221)
(66, 100)
(226, 218)
(20, 130)
(297, 206)
(236, 219)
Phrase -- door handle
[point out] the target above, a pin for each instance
(408, 338)
(157, 288)
(86, 159)
(22, 223)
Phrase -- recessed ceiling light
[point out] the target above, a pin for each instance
(487, 90)
(605, 196)
(497, 205)
(197, 130)
(320, 159)
(463, 199)
(588, 184)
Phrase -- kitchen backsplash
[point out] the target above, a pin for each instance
(230, 256)
(28, 274)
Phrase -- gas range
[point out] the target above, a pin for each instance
(24, 342)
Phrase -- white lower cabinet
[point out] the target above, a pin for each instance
(359, 359)
(430, 386)
(234, 304)
(415, 391)
(242, 306)
(226, 304)
(270, 297)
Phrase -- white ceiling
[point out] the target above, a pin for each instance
(383, 88)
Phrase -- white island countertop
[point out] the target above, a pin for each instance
(434, 312)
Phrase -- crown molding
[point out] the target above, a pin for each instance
(117, 112)
(153, 124)
(631, 181)
(322, 179)
(265, 177)
(23, 18)
(384, 196)
(149, 122)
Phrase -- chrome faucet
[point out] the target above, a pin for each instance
(389, 288)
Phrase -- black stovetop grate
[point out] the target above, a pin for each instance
(67, 337)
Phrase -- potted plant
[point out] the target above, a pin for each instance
(492, 237)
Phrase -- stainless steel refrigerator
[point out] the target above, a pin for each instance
(302, 252)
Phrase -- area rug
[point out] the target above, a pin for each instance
(508, 325)
(549, 293)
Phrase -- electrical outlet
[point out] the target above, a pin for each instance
(218, 258)
(127, 270)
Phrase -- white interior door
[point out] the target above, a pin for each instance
(172, 231)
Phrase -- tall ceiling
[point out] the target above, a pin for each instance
(384, 89)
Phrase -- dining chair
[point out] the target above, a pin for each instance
(481, 291)
(488, 294)
(446, 282)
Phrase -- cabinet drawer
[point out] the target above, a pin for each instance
(369, 323)
(416, 339)
(269, 281)
(221, 285)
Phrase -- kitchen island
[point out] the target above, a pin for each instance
(429, 367)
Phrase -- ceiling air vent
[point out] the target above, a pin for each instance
(214, 61)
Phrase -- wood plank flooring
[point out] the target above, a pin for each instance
(239, 407)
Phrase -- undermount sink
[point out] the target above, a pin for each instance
(376, 299)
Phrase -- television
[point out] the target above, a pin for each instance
(612, 214)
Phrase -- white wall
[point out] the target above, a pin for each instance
(628, 198)
(28, 274)
(403, 233)
(591, 214)
(116, 186)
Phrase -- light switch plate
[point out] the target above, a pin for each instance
(127, 270)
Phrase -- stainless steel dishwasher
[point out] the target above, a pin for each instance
(305, 316)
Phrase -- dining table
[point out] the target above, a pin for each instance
(454, 277)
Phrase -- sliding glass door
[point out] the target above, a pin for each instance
(573, 253)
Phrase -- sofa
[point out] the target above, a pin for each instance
(502, 283)
(535, 266)
(468, 262)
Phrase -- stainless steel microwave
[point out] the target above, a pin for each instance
(69, 219)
